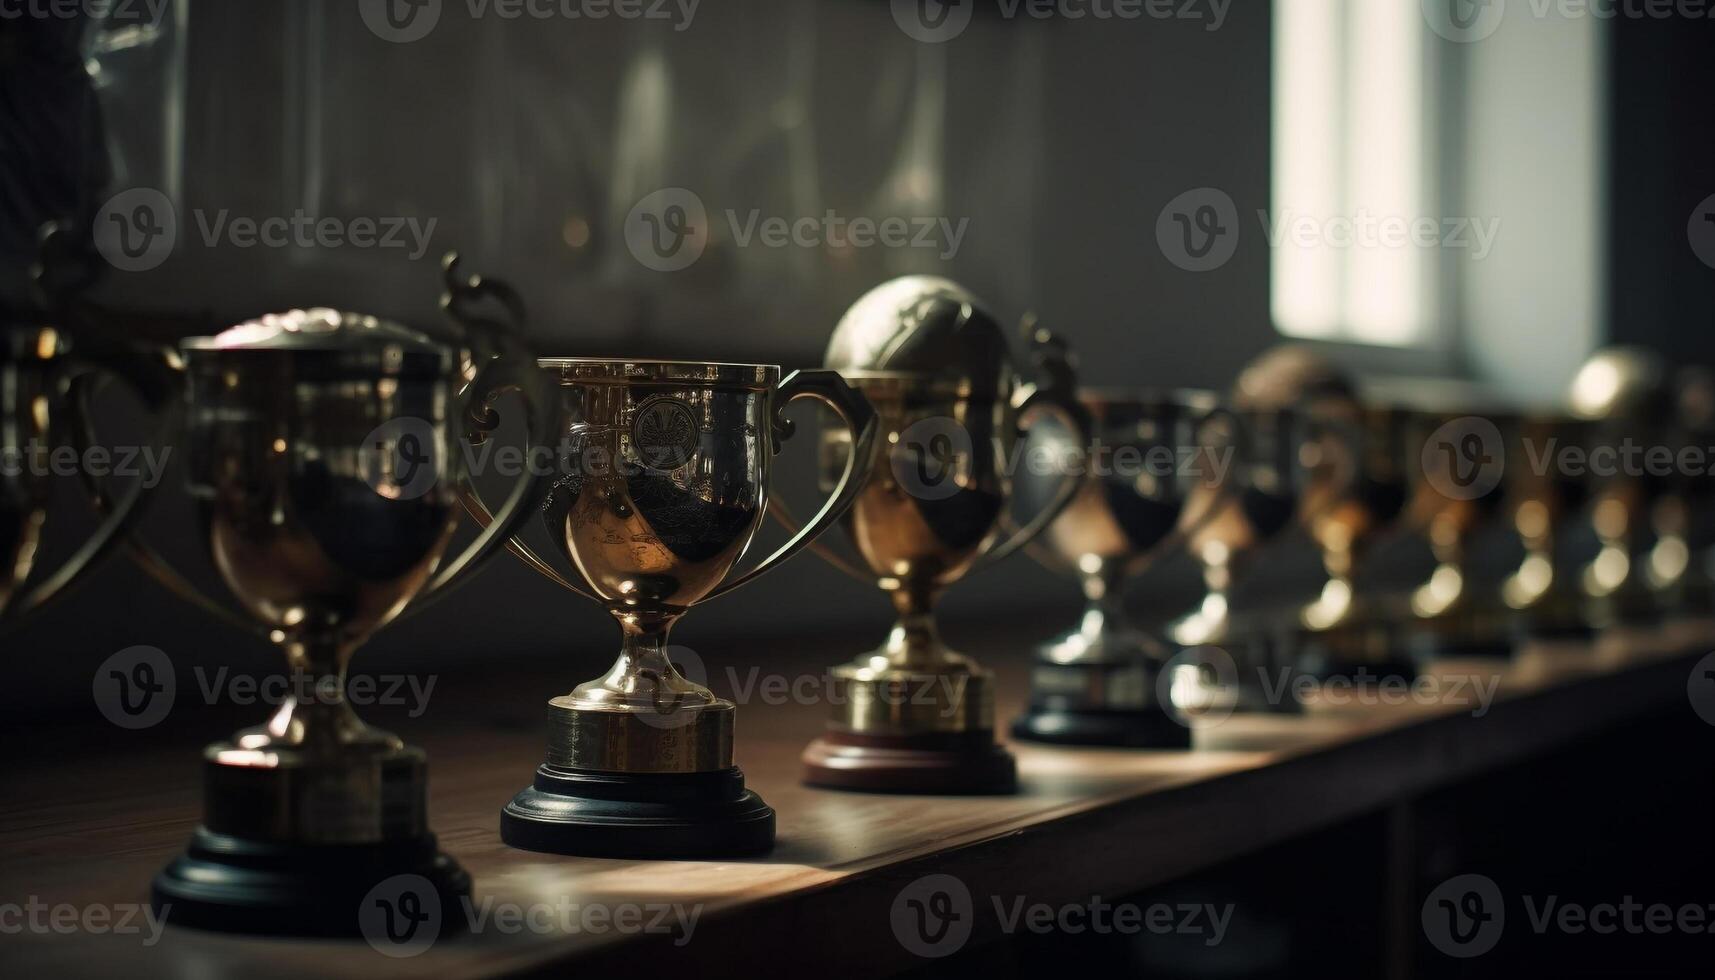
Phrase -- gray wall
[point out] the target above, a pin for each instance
(1060, 141)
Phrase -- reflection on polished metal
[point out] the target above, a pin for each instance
(1460, 493)
(665, 479)
(51, 357)
(323, 452)
(913, 715)
(1624, 393)
(1099, 683)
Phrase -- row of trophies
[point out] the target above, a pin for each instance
(324, 455)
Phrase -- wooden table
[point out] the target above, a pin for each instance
(89, 828)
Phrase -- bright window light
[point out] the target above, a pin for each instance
(1349, 178)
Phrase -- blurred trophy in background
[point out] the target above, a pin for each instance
(1460, 494)
(914, 716)
(1624, 393)
(1355, 489)
(1255, 502)
(1099, 684)
(665, 479)
(1544, 500)
(55, 353)
(1682, 562)
(324, 456)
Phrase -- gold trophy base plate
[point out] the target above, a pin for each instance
(349, 795)
(589, 738)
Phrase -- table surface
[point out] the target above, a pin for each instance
(91, 830)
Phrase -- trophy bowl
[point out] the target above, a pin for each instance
(1098, 683)
(664, 478)
(324, 459)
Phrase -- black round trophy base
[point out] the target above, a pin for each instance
(928, 764)
(232, 884)
(1361, 654)
(1100, 702)
(638, 815)
(1121, 729)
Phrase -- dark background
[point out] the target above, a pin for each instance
(1060, 140)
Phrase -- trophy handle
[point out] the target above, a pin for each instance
(783, 516)
(860, 419)
(1056, 394)
(502, 364)
(141, 552)
(118, 517)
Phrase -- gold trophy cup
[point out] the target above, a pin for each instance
(913, 716)
(1101, 683)
(665, 478)
(323, 454)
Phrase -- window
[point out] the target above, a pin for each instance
(1352, 185)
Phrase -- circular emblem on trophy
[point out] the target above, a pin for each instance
(664, 431)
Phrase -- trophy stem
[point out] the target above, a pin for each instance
(315, 716)
(915, 640)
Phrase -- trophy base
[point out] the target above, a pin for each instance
(967, 763)
(657, 815)
(1100, 703)
(1360, 654)
(231, 884)
(1120, 729)
(1471, 636)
